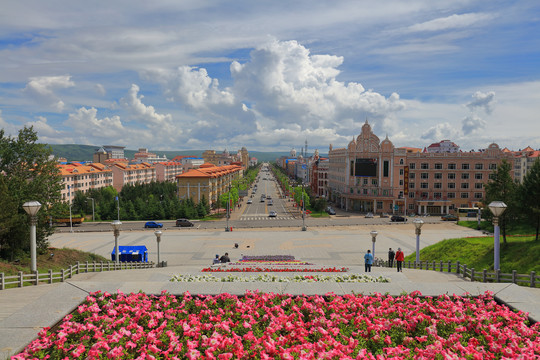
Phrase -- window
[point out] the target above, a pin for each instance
(424, 185)
(478, 166)
(400, 182)
(411, 206)
(477, 195)
(374, 182)
(465, 166)
(437, 195)
(365, 191)
(365, 181)
(424, 175)
(424, 166)
(411, 185)
(437, 185)
(451, 176)
(451, 185)
(438, 166)
(451, 195)
(478, 186)
(478, 176)
(412, 175)
(379, 205)
(438, 176)
(425, 195)
(400, 161)
(464, 185)
(385, 168)
(412, 166)
(451, 166)
(400, 171)
(464, 176)
(411, 195)
(492, 166)
(464, 195)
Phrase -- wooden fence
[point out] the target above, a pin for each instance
(531, 280)
(49, 277)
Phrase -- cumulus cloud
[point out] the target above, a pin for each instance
(42, 89)
(440, 131)
(472, 124)
(454, 21)
(482, 100)
(133, 102)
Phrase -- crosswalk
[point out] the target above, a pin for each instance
(264, 217)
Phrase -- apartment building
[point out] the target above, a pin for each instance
(133, 174)
(168, 170)
(208, 180)
(370, 175)
(79, 177)
(523, 161)
(226, 158)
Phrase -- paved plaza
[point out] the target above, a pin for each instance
(24, 311)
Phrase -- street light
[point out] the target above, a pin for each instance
(497, 208)
(116, 224)
(228, 209)
(158, 240)
(31, 208)
(418, 224)
(93, 217)
(303, 209)
(373, 239)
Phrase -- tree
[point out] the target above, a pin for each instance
(501, 187)
(529, 193)
(27, 174)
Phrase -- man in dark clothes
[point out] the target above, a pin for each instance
(391, 255)
(225, 258)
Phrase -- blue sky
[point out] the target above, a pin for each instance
(267, 75)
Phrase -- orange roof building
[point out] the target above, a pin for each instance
(78, 177)
(208, 180)
(123, 174)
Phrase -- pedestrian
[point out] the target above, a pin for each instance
(225, 258)
(368, 260)
(391, 256)
(216, 260)
(399, 260)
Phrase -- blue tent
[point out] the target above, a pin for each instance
(131, 253)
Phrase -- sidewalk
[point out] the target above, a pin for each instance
(24, 311)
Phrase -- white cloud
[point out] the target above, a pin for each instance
(454, 21)
(133, 102)
(472, 124)
(482, 100)
(100, 89)
(439, 132)
(42, 90)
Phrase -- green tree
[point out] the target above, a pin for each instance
(529, 193)
(29, 174)
(501, 187)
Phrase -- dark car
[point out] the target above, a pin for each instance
(153, 224)
(397, 218)
(183, 223)
(330, 211)
(449, 217)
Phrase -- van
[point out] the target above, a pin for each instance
(183, 223)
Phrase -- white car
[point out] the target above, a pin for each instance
(272, 214)
(250, 201)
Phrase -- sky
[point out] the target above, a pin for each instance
(269, 75)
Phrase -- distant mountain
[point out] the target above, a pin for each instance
(74, 152)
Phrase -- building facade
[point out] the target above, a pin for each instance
(79, 177)
(134, 174)
(370, 175)
(168, 170)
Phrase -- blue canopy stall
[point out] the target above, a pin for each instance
(131, 253)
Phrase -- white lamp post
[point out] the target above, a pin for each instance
(418, 225)
(303, 209)
(373, 238)
(31, 208)
(158, 240)
(497, 208)
(116, 224)
(228, 209)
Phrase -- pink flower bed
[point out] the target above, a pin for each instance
(273, 326)
(272, 269)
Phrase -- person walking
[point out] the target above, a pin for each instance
(399, 260)
(368, 260)
(391, 256)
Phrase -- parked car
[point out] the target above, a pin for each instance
(250, 201)
(272, 214)
(183, 223)
(269, 202)
(449, 217)
(369, 215)
(330, 211)
(397, 218)
(153, 224)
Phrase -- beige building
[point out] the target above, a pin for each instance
(124, 174)
(225, 158)
(370, 175)
(168, 170)
(208, 180)
(78, 177)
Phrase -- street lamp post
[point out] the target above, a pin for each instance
(93, 213)
(228, 209)
(303, 210)
(116, 224)
(158, 240)
(497, 208)
(373, 239)
(418, 225)
(31, 208)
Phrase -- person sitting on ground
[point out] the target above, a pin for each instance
(216, 260)
(225, 258)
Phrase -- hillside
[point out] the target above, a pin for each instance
(74, 152)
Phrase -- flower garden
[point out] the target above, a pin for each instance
(271, 263)
(348, 278)
(275, 326)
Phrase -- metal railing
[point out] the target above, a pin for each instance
(495, 276)
(50, 277)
